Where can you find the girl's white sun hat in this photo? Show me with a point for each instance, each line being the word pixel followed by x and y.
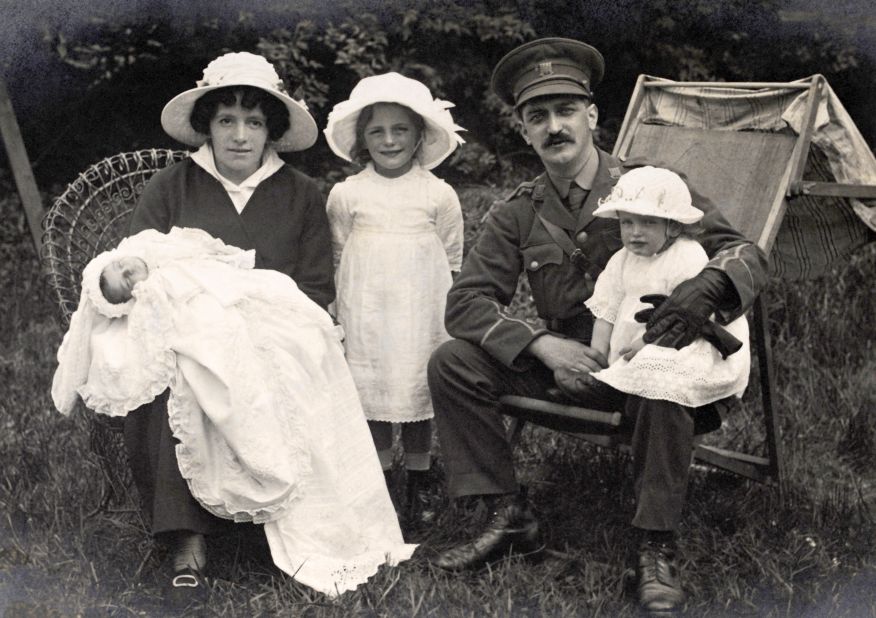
pixel 653 192
pixel 441 136
pixel 240 69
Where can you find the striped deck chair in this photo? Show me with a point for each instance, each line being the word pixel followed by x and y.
pixel 788 168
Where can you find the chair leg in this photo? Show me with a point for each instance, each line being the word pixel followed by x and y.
pixel 515 430
pixel 767 387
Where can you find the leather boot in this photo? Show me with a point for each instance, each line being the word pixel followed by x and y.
pixel 510 529
pixel 659 584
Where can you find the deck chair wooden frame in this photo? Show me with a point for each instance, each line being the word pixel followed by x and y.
pixel 91 216
pixel 771 181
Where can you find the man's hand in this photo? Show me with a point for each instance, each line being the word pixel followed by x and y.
pixel 572 382
pixel 556 352
pixel 679 320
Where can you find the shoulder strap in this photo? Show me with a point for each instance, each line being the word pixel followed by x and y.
pixel 560 236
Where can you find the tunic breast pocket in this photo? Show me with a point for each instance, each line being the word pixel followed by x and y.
pixel 543 265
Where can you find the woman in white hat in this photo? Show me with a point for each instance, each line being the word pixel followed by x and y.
pixel 397 235
pixel 657 227
pixel 236 188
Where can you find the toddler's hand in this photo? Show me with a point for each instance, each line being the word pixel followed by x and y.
pixel 629 352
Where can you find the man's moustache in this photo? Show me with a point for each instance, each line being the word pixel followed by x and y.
pixel 557 139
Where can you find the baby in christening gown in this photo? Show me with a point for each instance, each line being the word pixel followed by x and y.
pixel 269 423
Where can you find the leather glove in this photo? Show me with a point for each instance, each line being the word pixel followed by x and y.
pixel 715 334
pixel 679 319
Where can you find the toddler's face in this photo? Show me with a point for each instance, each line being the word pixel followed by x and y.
pixel 392 139
pixel 643 235
pixel 119 277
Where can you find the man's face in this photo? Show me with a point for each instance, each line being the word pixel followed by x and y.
pixel 560 128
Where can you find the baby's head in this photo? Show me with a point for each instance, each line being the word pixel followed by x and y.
pixel 654 208
pixel 117 279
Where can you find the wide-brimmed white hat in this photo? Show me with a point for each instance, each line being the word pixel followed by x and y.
pixel 440 139
pixel 650 191
pixel 240 69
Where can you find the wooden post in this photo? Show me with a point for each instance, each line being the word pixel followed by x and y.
pixel 20 164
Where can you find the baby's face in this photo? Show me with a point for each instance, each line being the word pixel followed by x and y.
pixel 119 277
pixel 641 234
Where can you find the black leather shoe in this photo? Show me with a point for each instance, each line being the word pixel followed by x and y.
pixel 659 584
pixel 511 529
pixel 186 587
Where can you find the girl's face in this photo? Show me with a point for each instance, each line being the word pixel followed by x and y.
pixel 391 139
pixel 644 235
pixel 238 136
pixel 120 276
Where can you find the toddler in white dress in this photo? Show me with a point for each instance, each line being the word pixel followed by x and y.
pixel 269 424
pixel 397 235
pixel 656 218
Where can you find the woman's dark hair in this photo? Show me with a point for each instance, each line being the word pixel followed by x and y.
pixel 276 114
pixel 359 152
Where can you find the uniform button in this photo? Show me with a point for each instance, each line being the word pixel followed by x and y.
pixel 533 264
pixel 580 238
pixel 587 277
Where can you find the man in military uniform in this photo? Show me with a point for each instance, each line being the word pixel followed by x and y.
pixel 549 82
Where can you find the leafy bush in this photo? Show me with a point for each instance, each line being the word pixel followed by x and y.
pixel 119 71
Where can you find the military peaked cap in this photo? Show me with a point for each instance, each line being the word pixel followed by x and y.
pixel 547 66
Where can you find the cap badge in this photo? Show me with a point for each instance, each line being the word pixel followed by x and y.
pixel 544 68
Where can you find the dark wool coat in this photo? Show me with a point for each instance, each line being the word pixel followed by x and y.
pixel 286 223
pixel 284 220
pixel 515 241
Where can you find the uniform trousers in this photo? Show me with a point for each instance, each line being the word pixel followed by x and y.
pixel 466 383
pixel 164 495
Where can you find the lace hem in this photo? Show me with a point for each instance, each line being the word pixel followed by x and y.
pixel 602 312
pixel 392 419
pixel 183 412
pixel 162 376
pixel 688 377
pixel 346 575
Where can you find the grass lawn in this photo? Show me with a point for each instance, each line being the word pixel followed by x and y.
pixel 804 548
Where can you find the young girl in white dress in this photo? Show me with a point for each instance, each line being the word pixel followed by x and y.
pixel 656 215
pixel 269 424
pixel 397 236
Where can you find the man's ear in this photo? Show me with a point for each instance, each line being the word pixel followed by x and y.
pixel 592 116
pixel 521 128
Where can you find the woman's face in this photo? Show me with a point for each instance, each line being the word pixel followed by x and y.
pixel 391 139
pixel 238 136
pixel 120 276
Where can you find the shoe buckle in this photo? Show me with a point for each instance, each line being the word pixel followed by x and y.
pixel 185 580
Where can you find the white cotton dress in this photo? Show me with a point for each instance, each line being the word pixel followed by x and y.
pixel 693 376
pixel 395 242
pixel 269 424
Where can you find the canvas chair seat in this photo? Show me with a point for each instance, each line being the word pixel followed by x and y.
pixel 764 153
pixel 91 216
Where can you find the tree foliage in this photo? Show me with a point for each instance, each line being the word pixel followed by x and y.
pixel 128 69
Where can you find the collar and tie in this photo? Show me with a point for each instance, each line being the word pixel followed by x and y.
pixel 575 198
